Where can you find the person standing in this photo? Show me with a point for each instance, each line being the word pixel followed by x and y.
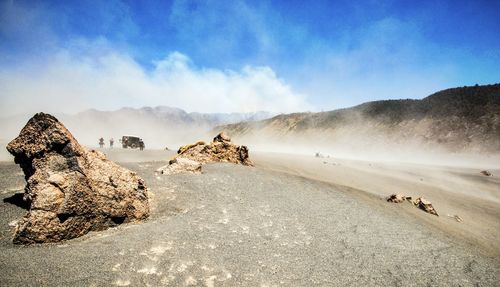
pixel 111 142
pixel 101 142
pixel 141 144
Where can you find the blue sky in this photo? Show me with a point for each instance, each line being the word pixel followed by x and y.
pixel 221 56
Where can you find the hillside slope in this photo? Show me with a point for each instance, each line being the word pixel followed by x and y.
pixel 459 119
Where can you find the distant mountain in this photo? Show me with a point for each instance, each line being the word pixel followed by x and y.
pixel 459 119
pixel 456 120
pixel 159 126
pixel 171 116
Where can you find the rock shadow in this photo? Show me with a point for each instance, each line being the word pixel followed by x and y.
pixel 17 199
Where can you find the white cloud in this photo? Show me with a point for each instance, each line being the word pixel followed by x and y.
pixel 70 81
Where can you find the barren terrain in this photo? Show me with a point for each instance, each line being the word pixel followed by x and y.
pixel 289 221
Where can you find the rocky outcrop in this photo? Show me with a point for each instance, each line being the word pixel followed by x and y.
pixel 184 148
pixel 219 150
pixel 420 202
pixel 398 198
pixel 71 190
pixel 425 205
pixel 190 157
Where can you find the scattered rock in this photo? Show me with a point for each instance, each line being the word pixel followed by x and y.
pixel 71 190
pixel 179 165
pixel 320 155
pixel 425 205
pixel 397 198
pixel 420 202
pixel 456 217
pixel 486 173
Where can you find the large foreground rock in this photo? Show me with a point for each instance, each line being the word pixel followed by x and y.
pixel 71 190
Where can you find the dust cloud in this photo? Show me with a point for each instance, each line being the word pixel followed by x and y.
pixel 365 140
pixel 354 137
pixel 87 130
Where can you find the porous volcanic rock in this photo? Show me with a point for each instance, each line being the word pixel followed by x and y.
pixel 222 137
pixel 398 198
pixel 219 150
pixel 190 157
pixel 71 190
pixel 425 205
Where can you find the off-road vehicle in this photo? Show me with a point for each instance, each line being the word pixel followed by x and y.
pixel 132 142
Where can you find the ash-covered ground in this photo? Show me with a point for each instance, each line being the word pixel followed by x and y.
pixel 248 226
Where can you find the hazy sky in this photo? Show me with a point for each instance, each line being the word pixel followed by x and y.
pixel 222 56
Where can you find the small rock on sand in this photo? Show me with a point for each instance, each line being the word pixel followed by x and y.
pixel 180 164
pixel 420 202
pixel 486 173
pixel 397 198
pixel 456 217
pixel 425 205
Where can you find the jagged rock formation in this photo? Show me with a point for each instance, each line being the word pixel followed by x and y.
pixel 190 157
pixel 425 205
pixel 420 202
pixel 222 137
pixel 219 150
pixel 184 148
pixel 398 198
pixel 71 190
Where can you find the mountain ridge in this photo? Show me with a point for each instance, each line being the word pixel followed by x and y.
pixel 464 118
pixel 177 114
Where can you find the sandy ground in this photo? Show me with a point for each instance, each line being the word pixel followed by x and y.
pixel 290 221
pixel 452 190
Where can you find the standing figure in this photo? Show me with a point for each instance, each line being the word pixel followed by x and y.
pixel 101 142
pixel 141 145
pixel 111 142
